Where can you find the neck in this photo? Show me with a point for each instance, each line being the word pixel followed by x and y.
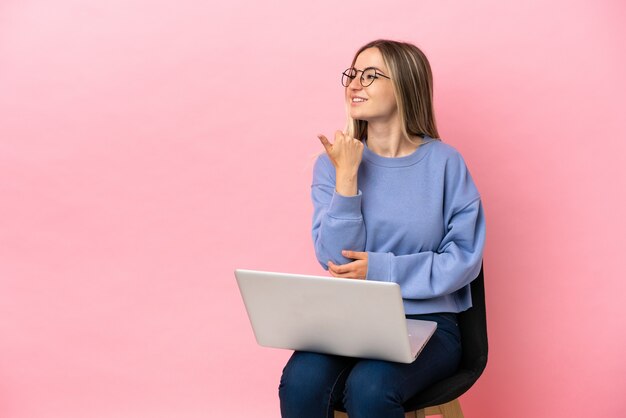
pixel 387 140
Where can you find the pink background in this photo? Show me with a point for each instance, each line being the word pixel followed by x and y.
pixel 148 148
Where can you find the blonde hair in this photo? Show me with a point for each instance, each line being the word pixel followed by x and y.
pixel 412 82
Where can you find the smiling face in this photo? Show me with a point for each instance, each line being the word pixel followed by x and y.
pixel 376 102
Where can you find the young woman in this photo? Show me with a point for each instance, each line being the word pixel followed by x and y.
pixel 391 203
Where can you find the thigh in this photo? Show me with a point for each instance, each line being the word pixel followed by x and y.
pixel 311 383
pixel 316 367
pixel 439 359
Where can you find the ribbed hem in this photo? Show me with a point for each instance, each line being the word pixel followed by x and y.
pixel 379 266
pixel 405 161
pixel 345 207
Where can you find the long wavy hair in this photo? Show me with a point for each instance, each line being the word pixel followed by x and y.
pixel 412 82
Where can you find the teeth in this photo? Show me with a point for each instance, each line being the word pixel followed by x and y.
pixel 358 99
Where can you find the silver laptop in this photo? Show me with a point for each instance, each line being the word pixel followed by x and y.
pixel 354 318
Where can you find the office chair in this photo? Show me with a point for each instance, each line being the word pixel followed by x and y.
pixel 442 397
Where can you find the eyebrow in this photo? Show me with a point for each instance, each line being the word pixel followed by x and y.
pixel 375 68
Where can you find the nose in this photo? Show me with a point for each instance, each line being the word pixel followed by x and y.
pixel 355 83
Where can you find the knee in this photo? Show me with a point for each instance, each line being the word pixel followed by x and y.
pixel 303 382
pixel 370 395
pixel 294 383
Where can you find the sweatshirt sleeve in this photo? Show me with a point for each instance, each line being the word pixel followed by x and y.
pixel 456 261
pixel 337 219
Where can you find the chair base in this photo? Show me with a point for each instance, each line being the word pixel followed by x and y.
pixel 451 409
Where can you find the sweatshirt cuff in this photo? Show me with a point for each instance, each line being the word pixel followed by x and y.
pixel 345 207
pixel 379 266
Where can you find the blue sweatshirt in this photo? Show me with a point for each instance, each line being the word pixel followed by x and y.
pixel 419 217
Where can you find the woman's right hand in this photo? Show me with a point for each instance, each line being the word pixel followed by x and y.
pixel 345 154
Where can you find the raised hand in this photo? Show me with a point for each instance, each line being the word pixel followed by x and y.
pixel 345 154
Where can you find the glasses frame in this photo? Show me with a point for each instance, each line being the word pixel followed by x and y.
pixel 361 79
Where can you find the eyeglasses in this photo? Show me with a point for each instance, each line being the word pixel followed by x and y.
pixel 368 76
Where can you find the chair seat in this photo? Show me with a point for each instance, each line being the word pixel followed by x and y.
pixel 443 391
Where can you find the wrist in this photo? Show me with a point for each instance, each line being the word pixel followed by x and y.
pixel 346 175
pixel 347 190
pixel 347 186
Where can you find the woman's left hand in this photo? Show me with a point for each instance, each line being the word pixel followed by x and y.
pixel 356 269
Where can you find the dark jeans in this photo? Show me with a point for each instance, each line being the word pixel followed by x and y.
pixel 313 383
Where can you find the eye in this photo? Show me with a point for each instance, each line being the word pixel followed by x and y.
pixel 370 74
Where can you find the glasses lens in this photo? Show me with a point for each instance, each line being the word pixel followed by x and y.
pixel 368 77
pixel 348 76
